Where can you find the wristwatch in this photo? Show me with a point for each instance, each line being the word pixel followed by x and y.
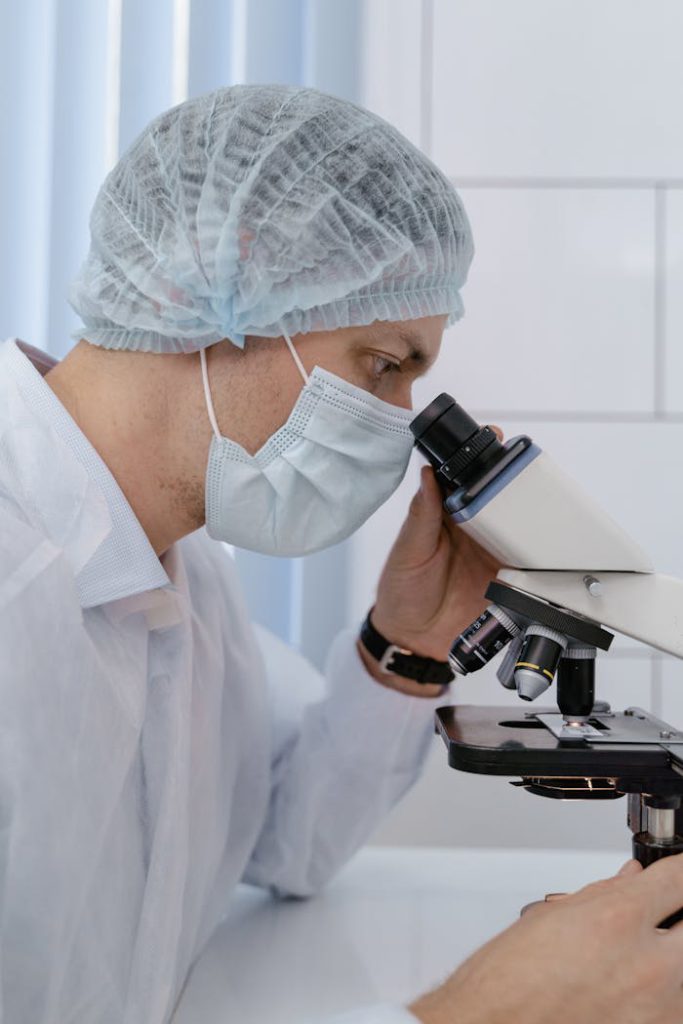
pixel 396 660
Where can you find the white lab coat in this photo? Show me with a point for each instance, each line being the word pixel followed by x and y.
pixel 148 762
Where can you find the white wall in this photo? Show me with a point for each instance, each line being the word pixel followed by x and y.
pixel 560 124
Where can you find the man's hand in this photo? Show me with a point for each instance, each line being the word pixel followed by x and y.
pixel 595 956
pixel 432 585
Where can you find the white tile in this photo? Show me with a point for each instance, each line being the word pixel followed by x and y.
pixel 673 367
pixel 573 87
pixel 559 304
pixel 391 69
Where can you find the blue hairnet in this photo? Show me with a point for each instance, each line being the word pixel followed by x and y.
pixel 258 209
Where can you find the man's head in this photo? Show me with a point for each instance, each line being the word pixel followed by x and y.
pixel 236 219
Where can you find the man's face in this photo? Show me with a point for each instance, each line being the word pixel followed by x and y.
pixel 384 358
pixel 255 390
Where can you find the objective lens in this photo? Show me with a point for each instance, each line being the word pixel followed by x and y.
pixel 576 684
pixel 482 640
pixel 538 660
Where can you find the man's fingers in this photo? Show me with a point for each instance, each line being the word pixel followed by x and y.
pixel 419 536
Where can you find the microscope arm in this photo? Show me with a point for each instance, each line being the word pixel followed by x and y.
pixel 645 606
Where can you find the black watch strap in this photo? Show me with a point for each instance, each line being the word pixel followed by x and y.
pixel 398 661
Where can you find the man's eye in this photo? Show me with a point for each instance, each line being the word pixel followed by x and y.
pixel 382 366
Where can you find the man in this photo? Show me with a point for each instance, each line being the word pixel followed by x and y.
pixel 270 269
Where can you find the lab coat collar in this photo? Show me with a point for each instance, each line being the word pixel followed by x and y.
pixel 109 551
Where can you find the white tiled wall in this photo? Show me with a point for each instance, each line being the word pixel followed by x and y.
pixel 571 270
pixel 571 88
pixel 560 125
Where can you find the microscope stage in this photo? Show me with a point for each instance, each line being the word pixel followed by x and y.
pixel 633 745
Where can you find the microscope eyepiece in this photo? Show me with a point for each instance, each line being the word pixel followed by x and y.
pixel 457 447
pixel 442 424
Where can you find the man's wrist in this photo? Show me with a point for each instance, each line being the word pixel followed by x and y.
pixel 393 681
pixel 419 642
pixel 408 668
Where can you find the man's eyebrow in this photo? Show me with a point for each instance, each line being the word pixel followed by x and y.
pixel 414 342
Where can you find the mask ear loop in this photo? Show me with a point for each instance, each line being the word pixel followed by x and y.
pixel 207 394
pixel 207 390
pixel 295 357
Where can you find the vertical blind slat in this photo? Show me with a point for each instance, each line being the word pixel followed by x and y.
pixel 26 74
pixel 333 46
pixel 274 41
pixel 78 152
pixel 211 45
pixel 146 65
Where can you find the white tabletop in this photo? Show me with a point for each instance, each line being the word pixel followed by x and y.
pixel 393 924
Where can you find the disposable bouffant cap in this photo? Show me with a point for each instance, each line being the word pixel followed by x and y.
pixel 261 208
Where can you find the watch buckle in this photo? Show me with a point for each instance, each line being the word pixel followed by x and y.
pixel 386 661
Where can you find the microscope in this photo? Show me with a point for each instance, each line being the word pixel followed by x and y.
pixel 571 576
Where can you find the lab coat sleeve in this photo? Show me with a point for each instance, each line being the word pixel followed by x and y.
pixel 344 750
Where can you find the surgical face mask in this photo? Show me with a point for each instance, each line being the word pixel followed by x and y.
pixel 339 456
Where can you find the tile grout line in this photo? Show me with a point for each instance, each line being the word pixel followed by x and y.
pixel 426 75
pixel 659 387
